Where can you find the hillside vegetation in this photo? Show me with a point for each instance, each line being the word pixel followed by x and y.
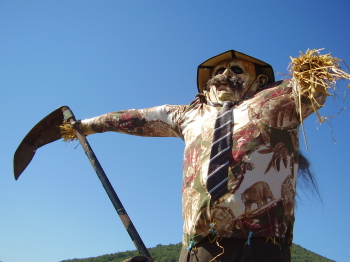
pixel 170 253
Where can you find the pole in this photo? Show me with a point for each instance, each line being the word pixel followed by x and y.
pixel 129 226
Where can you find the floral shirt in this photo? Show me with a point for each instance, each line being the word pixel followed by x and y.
pixel 262 174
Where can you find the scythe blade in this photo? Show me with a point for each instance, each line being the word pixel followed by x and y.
pixel 44 132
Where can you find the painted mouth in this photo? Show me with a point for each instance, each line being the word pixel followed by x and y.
pixel 223 83
pixel 223 87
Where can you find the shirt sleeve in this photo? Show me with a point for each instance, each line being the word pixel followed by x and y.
pixel 160 121
pixel 279 107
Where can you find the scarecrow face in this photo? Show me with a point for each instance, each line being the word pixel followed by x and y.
pixel 231 80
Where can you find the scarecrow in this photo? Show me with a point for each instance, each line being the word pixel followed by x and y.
pixel 241 152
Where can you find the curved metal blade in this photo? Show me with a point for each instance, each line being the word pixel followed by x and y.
pixel 44 132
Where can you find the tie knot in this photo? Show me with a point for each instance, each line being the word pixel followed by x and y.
pixel 229 104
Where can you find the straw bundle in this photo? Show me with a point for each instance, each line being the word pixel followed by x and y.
pixel 68 133
pixel 313 74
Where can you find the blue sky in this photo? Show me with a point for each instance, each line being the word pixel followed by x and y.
pixel 103 56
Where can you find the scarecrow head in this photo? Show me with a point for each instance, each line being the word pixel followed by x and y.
pixel 232 76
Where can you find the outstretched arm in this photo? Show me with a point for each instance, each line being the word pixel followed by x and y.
pixel 158 121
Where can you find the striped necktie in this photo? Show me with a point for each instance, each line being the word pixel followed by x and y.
pixel 220 152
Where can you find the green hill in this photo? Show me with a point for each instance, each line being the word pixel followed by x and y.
pixel 170 253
